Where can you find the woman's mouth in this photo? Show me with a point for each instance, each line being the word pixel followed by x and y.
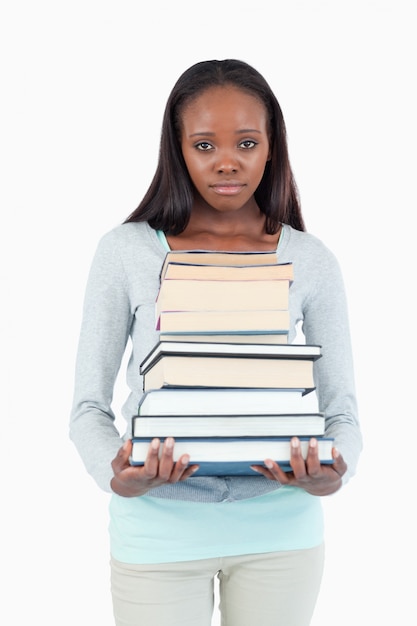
pixel 227 189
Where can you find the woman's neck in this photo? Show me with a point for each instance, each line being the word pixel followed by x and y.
pixel 225 232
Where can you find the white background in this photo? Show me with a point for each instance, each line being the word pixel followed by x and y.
pixel 83 87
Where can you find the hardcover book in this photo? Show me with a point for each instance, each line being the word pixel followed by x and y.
pixel 228 295
pixel 256 425
pixel 226 258
pixel 229 456
pixel 186 271
pixel 219 321
pixel 225 401
pixel 278 337
pixel 193 349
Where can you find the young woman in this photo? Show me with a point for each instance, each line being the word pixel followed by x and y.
pixel 223 182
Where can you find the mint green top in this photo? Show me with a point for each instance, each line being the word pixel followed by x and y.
pixel 203 516
pixel 157 530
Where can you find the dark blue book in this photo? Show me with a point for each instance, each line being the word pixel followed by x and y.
pixel 229 456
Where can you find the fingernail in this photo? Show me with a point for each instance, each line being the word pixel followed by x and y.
pixel 269 464
pixel 169 442
pixel 313 443
pixel 155 444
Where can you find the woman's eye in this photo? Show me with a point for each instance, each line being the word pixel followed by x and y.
pixel 204 146
pixel 248 143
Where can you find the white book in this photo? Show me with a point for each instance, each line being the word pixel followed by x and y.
pixel 225 401
pixel 257 425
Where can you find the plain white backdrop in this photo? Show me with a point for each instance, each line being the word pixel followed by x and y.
pixel 83 88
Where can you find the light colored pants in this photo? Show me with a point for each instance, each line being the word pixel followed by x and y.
pixel 273 589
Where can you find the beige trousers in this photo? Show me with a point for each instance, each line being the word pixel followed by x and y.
pixel 273 589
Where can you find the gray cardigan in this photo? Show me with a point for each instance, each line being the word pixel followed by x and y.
pixel 120 303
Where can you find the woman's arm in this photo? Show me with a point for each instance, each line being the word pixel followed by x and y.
pixel 107 318
pixel 326 322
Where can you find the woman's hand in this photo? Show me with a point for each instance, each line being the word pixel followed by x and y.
pixel 309 474
pixel 131 481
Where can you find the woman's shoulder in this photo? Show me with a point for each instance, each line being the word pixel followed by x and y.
pixel 133 236
pixel 302 244
pixel 134 245
pixel 301 236
pixel 129 232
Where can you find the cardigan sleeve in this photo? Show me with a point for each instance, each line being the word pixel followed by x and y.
pixel 326 323
pixel 105 327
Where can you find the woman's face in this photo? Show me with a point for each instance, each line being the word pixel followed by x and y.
pixel 225 144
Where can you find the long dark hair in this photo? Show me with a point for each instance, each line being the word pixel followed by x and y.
pixel 167 203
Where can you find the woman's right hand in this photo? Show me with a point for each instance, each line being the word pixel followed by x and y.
pixel 131 481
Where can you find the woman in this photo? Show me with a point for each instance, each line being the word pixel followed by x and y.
pixel 223 182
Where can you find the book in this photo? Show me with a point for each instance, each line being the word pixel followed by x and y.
pixel 227 371
pixel 187 271
pixel 278 337
pixel 211 257
pixel 193 350
pixel 257 425
pixel 212 295
pixel 231 322
pixel 225 401
pixel 228 456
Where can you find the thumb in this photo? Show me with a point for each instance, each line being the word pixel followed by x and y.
pixel 122 456
pixel 126 448
pixel 339 464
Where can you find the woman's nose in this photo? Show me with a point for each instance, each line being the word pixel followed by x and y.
pixel 227 163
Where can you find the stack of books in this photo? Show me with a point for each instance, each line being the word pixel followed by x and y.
pixel 224 296
pixel 223 379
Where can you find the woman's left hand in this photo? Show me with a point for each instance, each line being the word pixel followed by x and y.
pixel 309 474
